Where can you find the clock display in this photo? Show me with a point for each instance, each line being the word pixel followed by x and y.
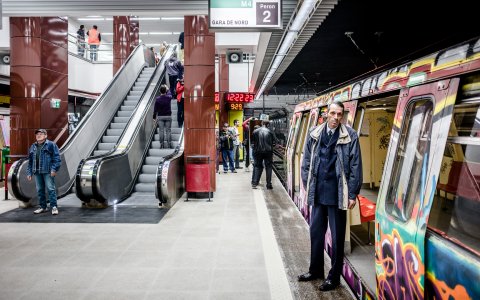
pixel 239 97
pixel 235 106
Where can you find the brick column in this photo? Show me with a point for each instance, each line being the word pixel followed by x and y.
pixel 38 74
pixel 121 41
pixel 199 125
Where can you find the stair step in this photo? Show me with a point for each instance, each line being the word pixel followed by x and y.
pixel 151 160
pixel 105 146
pixel 110 139
pixel 121 119
pixel 145 187
pixel 127 107
pixel 149 169
pixel 100 152
pixel 116 132
pixel 124 113
pixel 134 98
pixel 118 125
pixel 147 178
pixel 130 102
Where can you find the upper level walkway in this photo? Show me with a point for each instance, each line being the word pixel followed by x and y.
pixel 245 244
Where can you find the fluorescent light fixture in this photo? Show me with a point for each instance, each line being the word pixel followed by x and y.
pixel 94 16
pixel 303 15
pixel 91 19
pixel 106 33
pixel 171 18
pixel 175 32
pixel 145 19
pixel 160 33
pixel 108 19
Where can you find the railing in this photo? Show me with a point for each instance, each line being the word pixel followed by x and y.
pixel 82 49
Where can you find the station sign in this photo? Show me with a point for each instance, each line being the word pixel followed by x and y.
pixel 247 15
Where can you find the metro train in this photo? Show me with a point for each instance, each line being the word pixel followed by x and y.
pixel 419 131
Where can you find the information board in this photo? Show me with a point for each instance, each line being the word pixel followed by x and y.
pixel 245 14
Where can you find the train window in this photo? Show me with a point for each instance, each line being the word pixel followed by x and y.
pixel 456 208
pixel 414 143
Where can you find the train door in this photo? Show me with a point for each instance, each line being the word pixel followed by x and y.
pixel 299 145
pixel 412 168
pixel 292 137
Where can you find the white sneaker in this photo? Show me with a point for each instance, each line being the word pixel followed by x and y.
pixel 54 210
pixel 40 210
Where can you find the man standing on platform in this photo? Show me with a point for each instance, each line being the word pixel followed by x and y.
pixel 226 147
pixel 94 39
pixel 262 144
pixel 332 177
pixel 44 162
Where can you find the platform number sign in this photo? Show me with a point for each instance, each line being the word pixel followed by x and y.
pixel 267 13
pixel 250 15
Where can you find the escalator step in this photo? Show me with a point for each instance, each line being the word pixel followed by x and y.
pixel 105 146
pixel 110 139
pixel 147 178
pixel 127 108
pixel 145 187
pixel 116 132
pixel 124 113
pixel 99 152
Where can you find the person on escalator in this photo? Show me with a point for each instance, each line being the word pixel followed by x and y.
pixel 162 115
pixel 174 70
pixel 43 163
pixel 180 100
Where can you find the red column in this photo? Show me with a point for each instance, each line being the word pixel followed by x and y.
pixel 199 94
pixel 223 88
pixel 121 41
pixel 38 74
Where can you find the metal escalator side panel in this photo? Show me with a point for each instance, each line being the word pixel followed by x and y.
pixel 85 138
pixel 117 171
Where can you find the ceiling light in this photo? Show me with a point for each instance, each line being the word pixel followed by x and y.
pixel 171 18
pixel 94 16
pixel 108 19
pixel 107 33
pixel 145 19
pixel 91 19
pixel 160 33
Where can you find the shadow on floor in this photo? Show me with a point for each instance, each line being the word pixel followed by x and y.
pixel 131 215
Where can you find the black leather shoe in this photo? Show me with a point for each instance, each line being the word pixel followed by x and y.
pixel 308 277
pixel 329 285
pixel 269 187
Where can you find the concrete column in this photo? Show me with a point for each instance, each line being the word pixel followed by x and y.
pixel 38 74
pixel 199 94
pixel 121 41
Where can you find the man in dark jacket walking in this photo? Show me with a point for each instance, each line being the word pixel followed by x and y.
pixel 43 163
pixel 162 114
pixel 263 141
pixel 332 177
pixel 81 41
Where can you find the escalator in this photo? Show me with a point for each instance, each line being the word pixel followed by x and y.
pixel 98 130
pixel 132 166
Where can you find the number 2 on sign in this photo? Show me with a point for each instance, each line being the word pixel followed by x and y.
pixel 267 15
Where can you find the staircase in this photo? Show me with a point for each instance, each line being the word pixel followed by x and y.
pixel 111 136
pixel 146 182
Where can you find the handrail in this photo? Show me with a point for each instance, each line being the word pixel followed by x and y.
pixel 122 149
pixel 65 181
pixel 83 45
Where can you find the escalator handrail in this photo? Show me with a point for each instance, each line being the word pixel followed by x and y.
pixel 14 188
pixel 124 151
pixel 176 154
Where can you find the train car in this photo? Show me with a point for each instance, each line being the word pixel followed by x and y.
pixel 279 125
pixel 419 131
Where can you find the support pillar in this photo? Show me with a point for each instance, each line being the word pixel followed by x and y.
pixel 121 41
pixel 223 88
pixel 199 125
pixel 38 74
pixel 134 34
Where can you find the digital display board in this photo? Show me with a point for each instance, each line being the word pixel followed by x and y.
pixel 239 97
pixel 245 14
pixel 235 106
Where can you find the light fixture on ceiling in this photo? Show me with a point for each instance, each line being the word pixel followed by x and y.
pixel 91 19
pixel 144 19
pixel 171 18
pixel 294 28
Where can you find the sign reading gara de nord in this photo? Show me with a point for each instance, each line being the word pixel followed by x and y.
pixel 245 14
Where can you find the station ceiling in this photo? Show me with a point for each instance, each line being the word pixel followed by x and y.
pixel 380 33
pixel 386 33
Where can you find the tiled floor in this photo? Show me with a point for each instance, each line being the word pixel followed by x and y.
pixel 225 249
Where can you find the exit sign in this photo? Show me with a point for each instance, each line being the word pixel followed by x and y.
pixel 249 15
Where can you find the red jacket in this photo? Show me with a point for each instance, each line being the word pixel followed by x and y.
pixel 179 89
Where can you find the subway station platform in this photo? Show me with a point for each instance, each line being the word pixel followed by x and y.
pixel 245 244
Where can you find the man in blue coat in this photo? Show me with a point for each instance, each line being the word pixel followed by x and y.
pixel 44 162
pixel 332 177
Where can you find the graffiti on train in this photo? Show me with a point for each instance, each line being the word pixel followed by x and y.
pixel 434 66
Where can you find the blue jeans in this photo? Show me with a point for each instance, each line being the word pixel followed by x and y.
pixel 227 155
pixel 165 131
pixel 42 180
pixel 93 52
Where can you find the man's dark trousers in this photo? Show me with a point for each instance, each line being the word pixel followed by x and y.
pixel 260 159
pixel 318 227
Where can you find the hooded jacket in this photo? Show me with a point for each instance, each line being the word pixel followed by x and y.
pixel 348 166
